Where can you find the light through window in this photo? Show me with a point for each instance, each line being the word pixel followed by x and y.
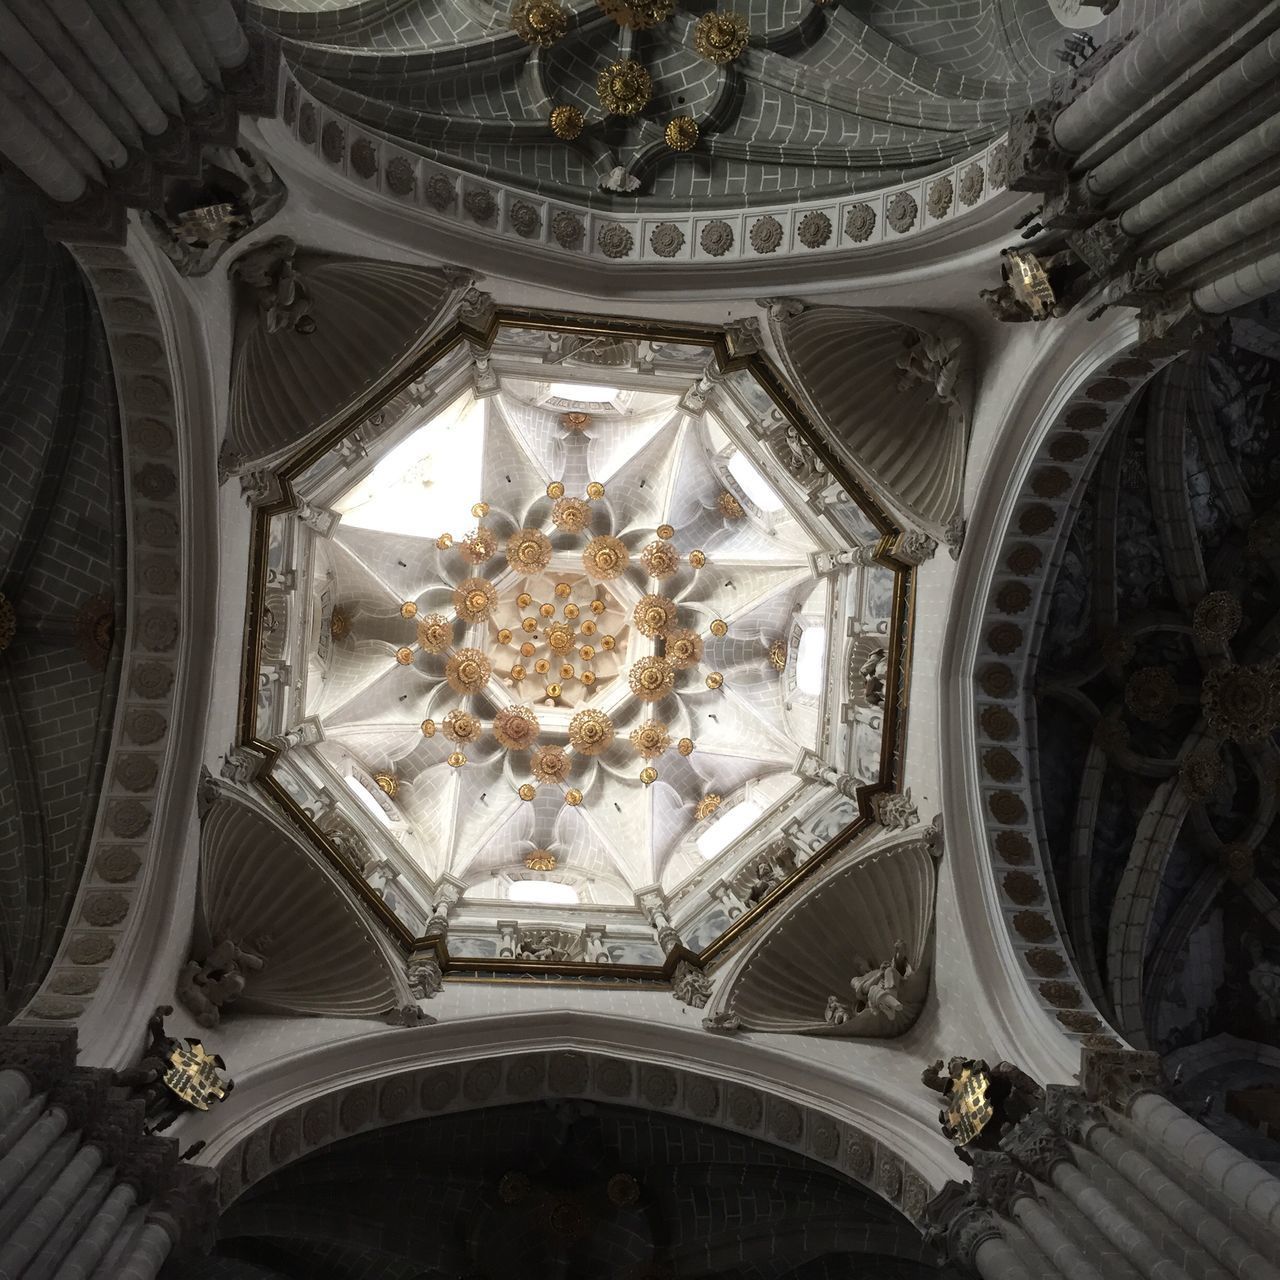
pixel 586 392
pixel 754 485
pixel 724 831
pixel 546 892
pixel 810 659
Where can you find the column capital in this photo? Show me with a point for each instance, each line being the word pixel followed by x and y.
pixel 958 1224
pixel 1035 1145
pixel 1069 1111
pixel 998 1182
pixel 45 1055
pixel 1115 1076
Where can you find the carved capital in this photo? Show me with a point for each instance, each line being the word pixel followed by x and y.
pixel 1069 1112
pixel 895 810
pixel 1171 324
pixel 477 313
pixel 258 488
pixel 913 547
pixel 691 985
pixel 1115 1076
pixel 781 309
pixel 1035 1145
pixel 958 1224
pixel 743 337
pixel 1036 162
pixel 998 1182
pixel 45 1055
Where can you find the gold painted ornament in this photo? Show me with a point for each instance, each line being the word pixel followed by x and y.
pixel 444 541
pixel 651 678
pixel 685 746
pixel 479 510
pixel 457 759
pixel 605 556
pixel 571 610
pixel 660 559
pixel 560 637
pixel 504 635
pixel 720 37
pixel 467 671
pixel 638 15
pixel 681 133
pixel 387 783
pixel 404 656
pixel 516 728
pixel 597 606
pixel 684 649
pixel 567 122
pixel 778 655
pixel 573 796
pixel 624 88
pixel 428 728
pixel 666 531
pixel 549 764
pixel 408 610
pixel 607 643
pixel 527 791
pixel 719 627
pixel 528 551
pixel 339 626
pixel 650 739
pixel 595 490
pixel 524 599
pixel 474 599
pixel 697 559
pixel 555 489
pixel 540 860
pixel 706 806
pixel 729 506
pixel 540 22
pixel 715 680
pixel 518 672
pixel 546 610
pixel 435 633
pixel 570 515
pixel 654 615
pixel 194 1075
pixel 648 775
pixel 575 420
pixel 588 677
pixel 461 727
pixel 553 691
pixel 478 547
pixel 590 732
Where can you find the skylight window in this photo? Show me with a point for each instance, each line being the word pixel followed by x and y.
pixel 427 483
pixel 724 831
pixel 367 799
pixel 811 659
pixel 551 893
pixel 586 392
pixel 754 485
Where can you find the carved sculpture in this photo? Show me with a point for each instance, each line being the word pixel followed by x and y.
pixel 281 295
pixel 174 1075
pixel 541 944
pixel 874 988
pixel 935 361
pixel 691 985
pixel 874 672
pixel 206 987
pixel 425 978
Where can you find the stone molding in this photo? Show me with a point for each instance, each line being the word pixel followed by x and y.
pixel 528 1076
pixel 565 229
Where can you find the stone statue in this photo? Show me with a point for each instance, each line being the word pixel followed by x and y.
pixel 795 454
pixel 619 180
pixel 282 297
pixel 205 987
pixel 541 945
pixel 766 877
pixel 934 361
pixel 873 988
pixel 426 981
pixel 873 673
pixel 1004 305
pixel 691 985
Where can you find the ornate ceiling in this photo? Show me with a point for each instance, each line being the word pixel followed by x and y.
pixel 684 105
pixel 540 642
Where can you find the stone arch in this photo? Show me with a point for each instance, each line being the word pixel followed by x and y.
pixel 892 1147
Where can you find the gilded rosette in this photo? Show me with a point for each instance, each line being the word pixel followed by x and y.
pixel 540 22
pixel 651 678
pixel 549 764
pixel 528 551
pixel 684 649
pixel 387 783
pixel 570 515
pixel 650 739
pixel 706 806
pixel 605 556
pixel 590 732
pixel 624 88
pixel 339 626
pixel 660 559
pixel 575 421
pixel 540 860
pixel 461 727
pixel 778 655
pixel 567 122
pixel 681 133
pixel 654 615
pixel 720 37
pixel 477 547
pixel 639 15
pixel 467 671
pixel 516 728
pixel 474 599
pixel 560 637
pixel 729 506
pixel 435 633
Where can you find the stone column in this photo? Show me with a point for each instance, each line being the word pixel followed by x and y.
pixel 1151 63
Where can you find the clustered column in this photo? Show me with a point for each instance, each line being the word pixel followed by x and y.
pixel 1111 1181
pixel 1164 169
pixel 85 1192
